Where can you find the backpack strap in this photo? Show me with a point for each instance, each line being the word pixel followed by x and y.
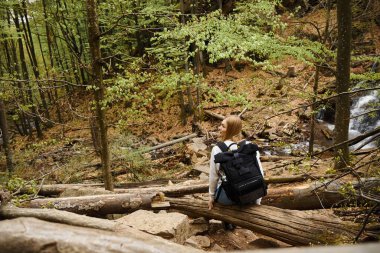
pixel 222 146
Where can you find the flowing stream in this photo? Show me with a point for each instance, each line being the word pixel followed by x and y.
pixel 366 122
pixel 361 121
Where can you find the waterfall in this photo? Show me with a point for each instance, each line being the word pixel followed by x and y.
pixel 361 121
pixel 366 122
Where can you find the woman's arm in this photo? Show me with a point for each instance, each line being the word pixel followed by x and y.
pixel 213 175
pixel 259 162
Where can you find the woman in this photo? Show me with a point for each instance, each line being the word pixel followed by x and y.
pixel 229 132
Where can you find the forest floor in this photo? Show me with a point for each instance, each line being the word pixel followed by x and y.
pixel 66 154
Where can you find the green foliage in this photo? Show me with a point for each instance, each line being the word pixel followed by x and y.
pixel 15 184
pixel 347 189
pixel 330 170
pixel 368 76
pixel 132 23
pixel 251 34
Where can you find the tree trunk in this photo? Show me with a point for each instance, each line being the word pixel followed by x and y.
pixel 182 106
pixel 342 112
pixel 31 235
pixel 5 136
pixel 97 82
pixel 313 111
pixel 293 227
pixel 24 70
pixel 33 59
pixel 24 121
pixel 190 102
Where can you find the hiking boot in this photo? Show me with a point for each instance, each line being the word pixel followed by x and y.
pixel 228 226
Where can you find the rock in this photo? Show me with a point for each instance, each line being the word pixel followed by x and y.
pixel 216 247
pixel 197 226
pixel 272 137
pixel 5 197
pixel 171 226
pixel 264 243
pixel 202 167
pixel 196 147
pixel 203 177
pixel 197 140
pixel 198 242
pixel 245 234
pixel 215 225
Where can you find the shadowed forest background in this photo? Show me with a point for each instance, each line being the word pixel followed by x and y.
pixel 118 98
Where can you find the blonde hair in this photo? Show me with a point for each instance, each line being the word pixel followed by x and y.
pixel 233 127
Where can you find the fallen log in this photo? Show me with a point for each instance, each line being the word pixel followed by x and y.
pixel 351 248
pixel 96 205
pixel 53 215
pixel 314 195
pixel 31 235
pixel 169 143
pixel 293 227
pixel 274 158
pixel 169 190
pixel 214 115
pixel 57 189
pixel 303 197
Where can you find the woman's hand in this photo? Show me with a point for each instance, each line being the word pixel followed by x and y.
pixel 210 204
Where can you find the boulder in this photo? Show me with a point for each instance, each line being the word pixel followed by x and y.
pixel 198 226
pixel 171 226
pixel 199 242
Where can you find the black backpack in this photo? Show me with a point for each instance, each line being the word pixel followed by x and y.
pixel 241 176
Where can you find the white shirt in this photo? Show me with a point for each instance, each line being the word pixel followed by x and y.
pixel 214 177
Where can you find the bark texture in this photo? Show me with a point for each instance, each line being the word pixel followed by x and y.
pixel 342 112
pixel 97 81
pixel 96 205
pixel 297 228
pixel 5 136
pixel 302 197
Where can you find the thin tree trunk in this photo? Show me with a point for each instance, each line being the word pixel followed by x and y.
pixel 25 125
pixel 97 81
pixel 220 4
pixel 313 111
pixel 342 112
pixel 5 137
pixel 25 74
pixel 140 47
pixel 33 59
pixel 316 80
pixel 190 107
pixel 182 106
